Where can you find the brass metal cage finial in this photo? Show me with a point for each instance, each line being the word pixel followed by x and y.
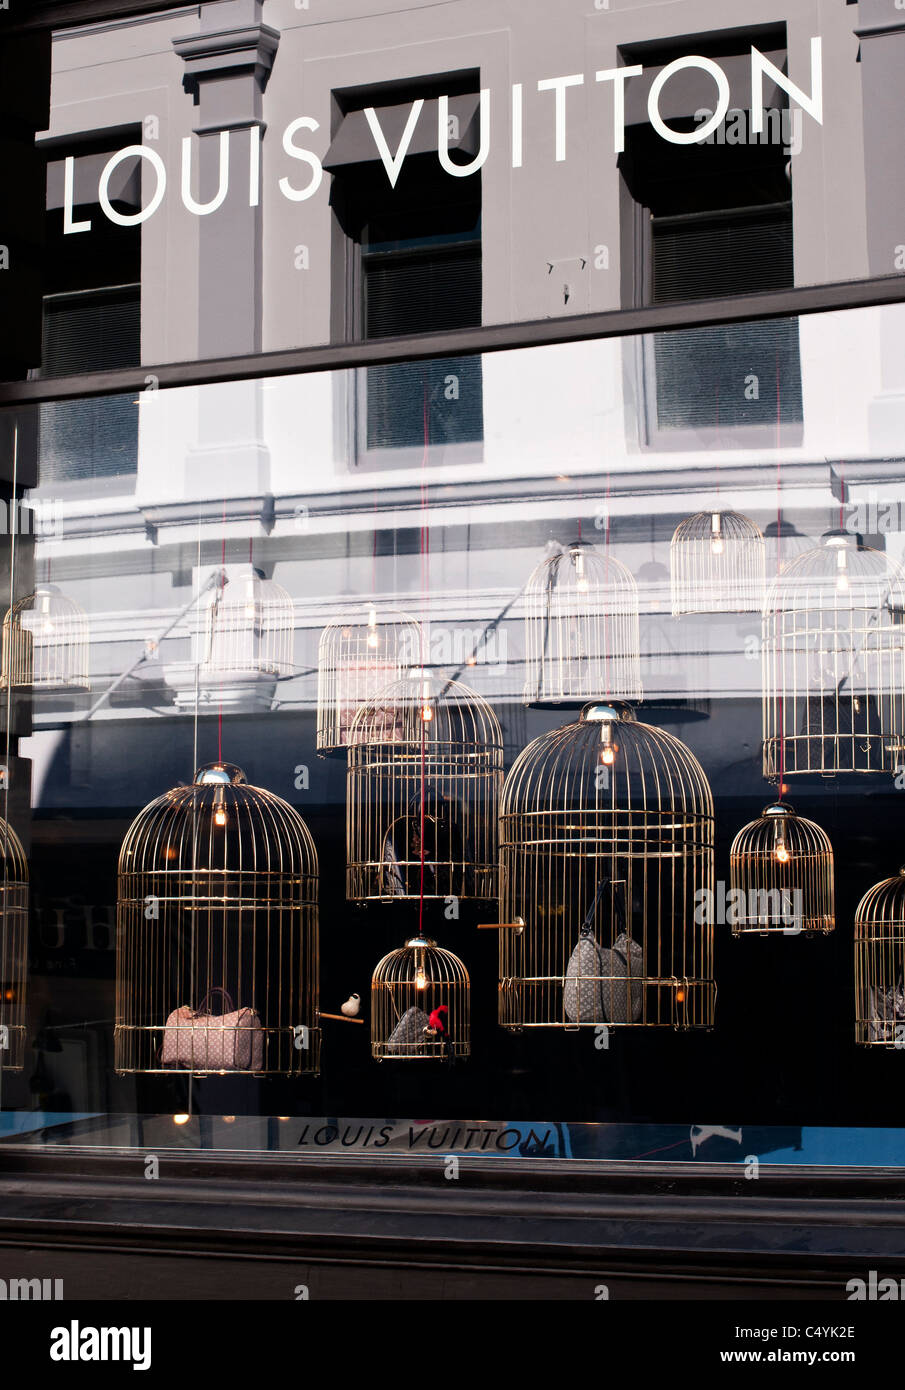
pixel 582 633
pixel 781 871
pixel 420 1004
pixel 834 662
pixel 13 949
pixel 358 657
pixel 606 847
pixel 423 781
pixel 717 564
pixel 217 907
pixel 45 642
pixel 247 628
pixel 880 965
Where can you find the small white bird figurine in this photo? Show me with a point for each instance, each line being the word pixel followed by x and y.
pixel 352 1005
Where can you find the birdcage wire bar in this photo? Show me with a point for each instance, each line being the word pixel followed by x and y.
pixel 880 965
pixel 247 629
pixel 582 629
pixel 781 871
pixel 218 912
pixel 606 851
pixel 717 564
pixel 45 642
pixel 358 657
pixel 13 949
pixel 425 768
pixel 407 986
pixel 834 663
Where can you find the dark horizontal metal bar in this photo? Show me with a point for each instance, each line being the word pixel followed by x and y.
pixel 28 15
pixel 614 323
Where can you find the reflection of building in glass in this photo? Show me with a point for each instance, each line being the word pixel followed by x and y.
pixel 13 949
pixel 357 657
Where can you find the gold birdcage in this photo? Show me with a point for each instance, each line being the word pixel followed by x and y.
pixel 217 933
pixel 247 629
pixel 582 633
pixel 420 1004
pixel 606 830
pixel 424 775
pixel 357 658
pixel 717 564
pixel 13 949
pixel 45 642
pixel 834 663
pixel 781 871
pixel 880 965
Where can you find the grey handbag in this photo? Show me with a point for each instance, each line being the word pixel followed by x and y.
pixel 409 1030
pixel 626 962
pixel 593 991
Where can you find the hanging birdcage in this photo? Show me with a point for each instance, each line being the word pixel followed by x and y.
pixel 424 775
pixel 582 633
pixel 606 857
pixel 781 872
pixel 717 564
pixel 247 629
pixel 834 663
pixel 880 965
pixel 13 949
pixel 357 658
pixel 45 642
pixel 217 933
pixel 420 1004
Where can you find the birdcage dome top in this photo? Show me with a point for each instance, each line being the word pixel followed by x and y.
pixel 579 565
pixel 431 708
pixel 223 774
pixel 797 833
pixel 219 823
pixel 732 526
pixel 885 901
pixel 48 598
pixel 837 566
pixel 607 758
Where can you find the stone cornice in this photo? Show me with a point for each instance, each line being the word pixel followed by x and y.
pixel 249 49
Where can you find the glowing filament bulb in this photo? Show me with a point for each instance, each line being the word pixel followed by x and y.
pixel 842 584
pixel 250 605
pixel 608 756
pixel 220 816
pixel 427 713
pixel 716 534
pixel 782 853
pixel 420 978
pixel 579 571
pixel 608 748
pixel 373 639
pixel 181 1119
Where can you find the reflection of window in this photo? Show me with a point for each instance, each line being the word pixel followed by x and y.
pixel 707 220
pixel 414 266
pixel 85 332
pixel 92 321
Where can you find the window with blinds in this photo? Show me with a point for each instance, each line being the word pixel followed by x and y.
pixel 739 375
pixel 429 289
pixel 413 266
pixel 86 331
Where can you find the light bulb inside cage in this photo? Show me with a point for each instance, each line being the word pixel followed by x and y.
pixel 224 974
pixel 717 563
pixel 781 876
pixel 598 924
pixel 420 1004
pixel 879 945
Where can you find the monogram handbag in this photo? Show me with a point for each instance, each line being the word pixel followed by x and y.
pixel 604 986
pixel 409 1030
pixel 204 1041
